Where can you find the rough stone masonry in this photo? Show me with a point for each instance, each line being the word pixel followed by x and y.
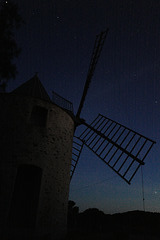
pixel 35 158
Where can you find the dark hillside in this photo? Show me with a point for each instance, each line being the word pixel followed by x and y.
pixel 128 225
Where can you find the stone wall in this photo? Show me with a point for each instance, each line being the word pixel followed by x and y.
pixel 38 133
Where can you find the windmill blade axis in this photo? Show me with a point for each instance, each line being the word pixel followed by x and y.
pixel 99 42
pixel 121 148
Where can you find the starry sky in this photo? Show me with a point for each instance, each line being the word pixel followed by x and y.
pixel 57 41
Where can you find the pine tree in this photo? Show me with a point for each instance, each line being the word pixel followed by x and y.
pixel 10 20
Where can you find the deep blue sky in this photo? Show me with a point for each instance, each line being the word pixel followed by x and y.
pixel 57 41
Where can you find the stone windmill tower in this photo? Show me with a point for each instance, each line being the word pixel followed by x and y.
pixel 35 153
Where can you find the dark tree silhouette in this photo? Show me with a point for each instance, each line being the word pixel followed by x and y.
pixel 10 20
pixel 73 211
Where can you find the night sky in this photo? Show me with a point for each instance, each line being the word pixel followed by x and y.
pixel 57 41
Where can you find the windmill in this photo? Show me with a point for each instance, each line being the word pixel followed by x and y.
pixel 35 173
pixel 118 146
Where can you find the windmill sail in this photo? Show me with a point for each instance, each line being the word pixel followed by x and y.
pixel 99 42
pixel 121 148
pixel 76 151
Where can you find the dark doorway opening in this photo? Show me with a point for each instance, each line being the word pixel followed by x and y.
pixel 25 197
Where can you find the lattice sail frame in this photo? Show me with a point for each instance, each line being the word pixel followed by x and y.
pixel 76 152
pixel 121 148
pixel 98 45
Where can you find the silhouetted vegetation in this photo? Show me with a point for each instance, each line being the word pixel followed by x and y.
pixel 94 224
pixel 10 20
pixel 73 212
